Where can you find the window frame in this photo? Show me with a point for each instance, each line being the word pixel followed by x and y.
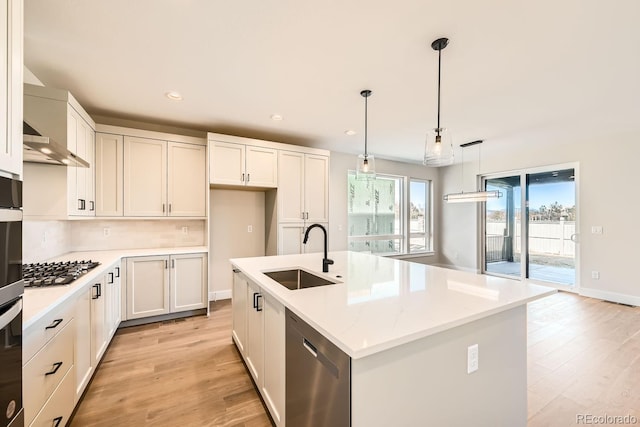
pixel 405 217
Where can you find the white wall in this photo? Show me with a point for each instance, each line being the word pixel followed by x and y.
pixel 606 195
pixel 341 163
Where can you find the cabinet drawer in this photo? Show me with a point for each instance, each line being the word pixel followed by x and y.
pixel 46 328
pixel 44 372
pixel 57 410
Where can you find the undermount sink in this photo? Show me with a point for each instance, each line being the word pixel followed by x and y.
pixel 298 279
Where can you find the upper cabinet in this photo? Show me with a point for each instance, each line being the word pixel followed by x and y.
pixel 52 191
pixel 303 187
pixel 242 165
pixel 11 88
pixel 150 174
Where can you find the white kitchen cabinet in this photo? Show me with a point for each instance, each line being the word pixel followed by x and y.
pixel 164 178
pixel 57 192
pixel 109 174
pixel 99 327
pixel 44 372
pixel 84 361
pixel 239 311
pixel 189 287
pixel 11 54
pixel 242 165
pixel 291 236
pixel 259 334
pixel 187 180
pixel 255 333
pixel 147 286
pixel 303 187
pixel 165 284
pixel 273 385
pixel 145 177
pixel 113 289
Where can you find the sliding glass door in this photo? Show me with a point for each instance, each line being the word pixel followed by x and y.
pixel 530 232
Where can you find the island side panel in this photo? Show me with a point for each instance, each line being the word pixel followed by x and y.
pixel 425 382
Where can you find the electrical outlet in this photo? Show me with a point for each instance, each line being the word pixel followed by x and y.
pixel 185 230
pixel 595 275
pixel 250 229
pixel 106 232
pixel 596 229
pixel 472 358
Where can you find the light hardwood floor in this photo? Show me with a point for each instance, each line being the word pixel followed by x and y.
pixel 584 358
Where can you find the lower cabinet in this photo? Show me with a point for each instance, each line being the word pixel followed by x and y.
pixel 165 284
pixel 259 333
pixel 291 235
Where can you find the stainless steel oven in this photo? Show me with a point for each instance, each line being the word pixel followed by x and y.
pixel 11 290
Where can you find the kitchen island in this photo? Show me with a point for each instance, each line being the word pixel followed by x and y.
pixel 409 329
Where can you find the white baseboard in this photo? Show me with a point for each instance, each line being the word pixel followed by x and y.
pixel 218 295
pixel 610 296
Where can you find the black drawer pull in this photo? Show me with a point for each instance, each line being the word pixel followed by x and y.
pixel 55 369
pixel 54 324
pixel 110 278
pixel 258 307
pixel 255 299
pixel 118 272
pixel 57 421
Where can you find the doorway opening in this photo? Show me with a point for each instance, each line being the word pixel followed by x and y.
pixel 530 232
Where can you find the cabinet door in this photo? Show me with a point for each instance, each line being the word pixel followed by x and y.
pixel 11 88
pixel 90 140
pixel 227 163
pixel 109 174
pixel 188 282
pixel 113 301
pixel 83 356
pixel 261 167
pixel 239 311
pixel 187 185
pixel 147 286
pixel 255 333
pixel 99 327
pixel 74 202
pixel 290 187
pixel 273 389
pixel 81 150
pixel 290 238
pixel 316 188
pixel 145 177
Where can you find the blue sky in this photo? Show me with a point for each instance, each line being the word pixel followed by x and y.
pixel 545 194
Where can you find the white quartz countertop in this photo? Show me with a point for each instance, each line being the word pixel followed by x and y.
pixel 38 301
pixel 383 302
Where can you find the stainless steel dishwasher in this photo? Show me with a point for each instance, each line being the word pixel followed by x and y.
pixel 318 378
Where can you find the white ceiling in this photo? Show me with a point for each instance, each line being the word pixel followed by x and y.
pixel 513 68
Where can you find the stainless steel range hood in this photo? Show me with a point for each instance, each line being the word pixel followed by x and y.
pixel 42 149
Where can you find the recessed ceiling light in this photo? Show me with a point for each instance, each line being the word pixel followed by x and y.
pixel 276 117
pixel 174 96
pixel 350 132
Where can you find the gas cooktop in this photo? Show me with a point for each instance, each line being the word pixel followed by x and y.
pixel 55 273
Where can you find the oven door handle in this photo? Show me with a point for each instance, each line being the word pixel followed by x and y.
pixel 11 314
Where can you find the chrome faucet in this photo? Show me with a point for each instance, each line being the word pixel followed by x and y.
pixel 325 261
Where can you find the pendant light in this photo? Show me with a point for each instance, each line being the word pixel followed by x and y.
pixel 366 169
pixel 438 150
pixel 474 196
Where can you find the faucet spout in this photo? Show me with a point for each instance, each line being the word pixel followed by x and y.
pixel 326 262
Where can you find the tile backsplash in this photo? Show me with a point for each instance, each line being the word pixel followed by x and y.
pixel 46 239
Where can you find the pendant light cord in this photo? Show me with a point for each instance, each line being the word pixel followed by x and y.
pixel 439 68
pixel 462 166
pixel 365 125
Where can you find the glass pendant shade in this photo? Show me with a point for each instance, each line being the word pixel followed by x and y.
pixel 438 149
pixel 366 169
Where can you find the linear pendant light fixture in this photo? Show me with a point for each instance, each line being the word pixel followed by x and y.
pixel 366 169
pixel 438 150
pixel 474 196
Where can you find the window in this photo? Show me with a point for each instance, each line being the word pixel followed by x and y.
pixel 386 219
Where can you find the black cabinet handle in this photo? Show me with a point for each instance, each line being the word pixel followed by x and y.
pixel 169 207
pixel 99 290
pixel 117 272
pixel 93 205
pixel 255 300
pixel 98 293
pixel 56 366
pixel 110 278
pixel 258 307
pixel 54 324
pixel 79 204
pixel 57 421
